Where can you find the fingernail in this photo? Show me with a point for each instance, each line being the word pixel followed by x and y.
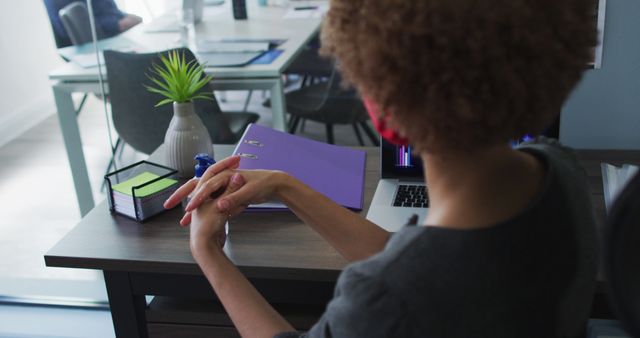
pixel 223 205
pixel 236 179
pixel 195 201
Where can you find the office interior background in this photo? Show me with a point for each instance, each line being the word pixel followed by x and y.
pixel 36 189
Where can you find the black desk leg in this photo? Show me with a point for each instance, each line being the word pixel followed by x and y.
pixel 127 309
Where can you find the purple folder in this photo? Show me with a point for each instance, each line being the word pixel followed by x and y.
pixel 336 172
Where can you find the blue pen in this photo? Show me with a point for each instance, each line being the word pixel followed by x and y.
pixel 204 162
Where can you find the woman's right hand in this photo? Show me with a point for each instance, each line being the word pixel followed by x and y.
pixel 251 187
pixel 187 189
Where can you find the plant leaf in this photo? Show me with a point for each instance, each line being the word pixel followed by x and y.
pixel 203 96
pixel 178 80
pixel 159 83
pixel 163 102
pixel 164 93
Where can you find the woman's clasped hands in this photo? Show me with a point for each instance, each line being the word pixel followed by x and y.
pixel 222 192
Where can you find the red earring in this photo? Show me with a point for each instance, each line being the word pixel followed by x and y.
pixel 380 123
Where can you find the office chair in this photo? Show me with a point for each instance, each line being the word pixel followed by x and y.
pixel 310 65
pixel 621 244
pixel 327 102
pixel 60 41
pixel 142 125
pixel 75 19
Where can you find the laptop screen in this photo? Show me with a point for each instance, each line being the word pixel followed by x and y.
pixel 400 161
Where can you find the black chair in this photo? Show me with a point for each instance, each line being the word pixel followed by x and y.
pixel 621 243
pixel 143 126
pixel 329 103
pixel 60 41
pixel 310 65
pixel 75 19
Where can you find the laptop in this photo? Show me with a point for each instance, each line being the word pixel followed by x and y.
pixel 168 23
pixel 401 191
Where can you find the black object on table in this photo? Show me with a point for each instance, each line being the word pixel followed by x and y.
pixel 239 9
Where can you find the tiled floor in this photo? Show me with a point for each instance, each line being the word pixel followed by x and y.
pixel 44 322
pixel 39 202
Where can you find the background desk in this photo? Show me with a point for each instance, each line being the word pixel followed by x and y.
pixel 285 259
pixel 217 22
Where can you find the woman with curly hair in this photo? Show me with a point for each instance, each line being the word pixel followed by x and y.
pixel 508 245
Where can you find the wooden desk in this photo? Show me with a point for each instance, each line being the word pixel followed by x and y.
pixel 217 23
pixel 284 258
pixel 287 261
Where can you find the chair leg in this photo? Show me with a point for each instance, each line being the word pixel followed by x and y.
pixel 330 133
pixel 246 102
pixel 82 101
pixel 121 150
pixel 358 135
pixel 302 125
pixel 294 124
pixel 372 136
pixel 290 122
pixel 112 162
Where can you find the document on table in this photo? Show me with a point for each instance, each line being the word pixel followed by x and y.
pixel 162 24
pixel 90 60
pixel 87 60
pixel 229 52
pixel 227 59
pixel 84 55
pixel 306 12
pixel 220 46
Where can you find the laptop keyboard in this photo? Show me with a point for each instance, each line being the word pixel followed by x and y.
pixel 414 196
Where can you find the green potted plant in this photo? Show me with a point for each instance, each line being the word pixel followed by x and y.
pixel 180 82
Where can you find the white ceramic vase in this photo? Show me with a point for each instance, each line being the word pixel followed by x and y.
pixel 185 138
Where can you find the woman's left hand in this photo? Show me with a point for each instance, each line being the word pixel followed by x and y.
pixel 207 235
pixel 207 230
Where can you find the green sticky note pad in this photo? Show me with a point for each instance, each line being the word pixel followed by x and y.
pixel 125 187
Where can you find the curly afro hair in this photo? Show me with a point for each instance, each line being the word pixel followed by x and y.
pixel 461 74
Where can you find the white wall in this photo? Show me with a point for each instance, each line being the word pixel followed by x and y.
pixel 27 54
pixel 148 9
pixel 604 110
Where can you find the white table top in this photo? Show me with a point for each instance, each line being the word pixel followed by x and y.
pixel 218 23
